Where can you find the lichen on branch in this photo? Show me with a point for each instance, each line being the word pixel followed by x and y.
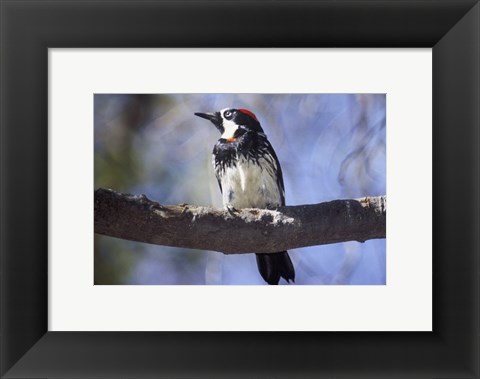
pixel 136 218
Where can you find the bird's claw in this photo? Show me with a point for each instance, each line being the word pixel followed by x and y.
pixel 271 207
pixel 231 209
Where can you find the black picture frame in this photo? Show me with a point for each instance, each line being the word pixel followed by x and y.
pixel 28 28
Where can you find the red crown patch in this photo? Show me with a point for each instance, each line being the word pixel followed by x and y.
pixel 246 111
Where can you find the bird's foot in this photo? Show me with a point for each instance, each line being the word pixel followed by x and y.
pixel 231 209
pixel 271 207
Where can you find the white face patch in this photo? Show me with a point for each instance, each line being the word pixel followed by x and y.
pixel 229 126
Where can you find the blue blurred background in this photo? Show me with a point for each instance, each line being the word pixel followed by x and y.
pixel 330 146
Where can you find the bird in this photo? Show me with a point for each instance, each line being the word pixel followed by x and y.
pixel 249 175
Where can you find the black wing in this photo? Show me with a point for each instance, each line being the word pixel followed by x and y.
pixel 279 173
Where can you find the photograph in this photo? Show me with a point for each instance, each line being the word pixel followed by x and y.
pixel 231 156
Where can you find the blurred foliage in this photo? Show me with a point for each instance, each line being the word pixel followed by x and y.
pixel 330 146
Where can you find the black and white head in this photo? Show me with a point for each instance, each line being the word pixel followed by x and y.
pixel 233 123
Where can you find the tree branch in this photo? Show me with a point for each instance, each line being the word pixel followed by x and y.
pixel 137 218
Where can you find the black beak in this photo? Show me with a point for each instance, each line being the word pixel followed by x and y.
pixel 208 116
pixel 214 118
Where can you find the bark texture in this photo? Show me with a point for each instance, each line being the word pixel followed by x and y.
pixel 136 218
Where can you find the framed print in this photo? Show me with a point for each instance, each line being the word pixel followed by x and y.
pixel 361 274
pixel 32 32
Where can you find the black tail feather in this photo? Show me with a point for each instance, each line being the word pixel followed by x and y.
pixel 274 266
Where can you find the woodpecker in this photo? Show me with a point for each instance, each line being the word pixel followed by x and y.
pixel 249 175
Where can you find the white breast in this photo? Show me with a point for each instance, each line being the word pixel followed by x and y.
pixel 248 185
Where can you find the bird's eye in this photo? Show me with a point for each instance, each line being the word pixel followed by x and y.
pixel 228 115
